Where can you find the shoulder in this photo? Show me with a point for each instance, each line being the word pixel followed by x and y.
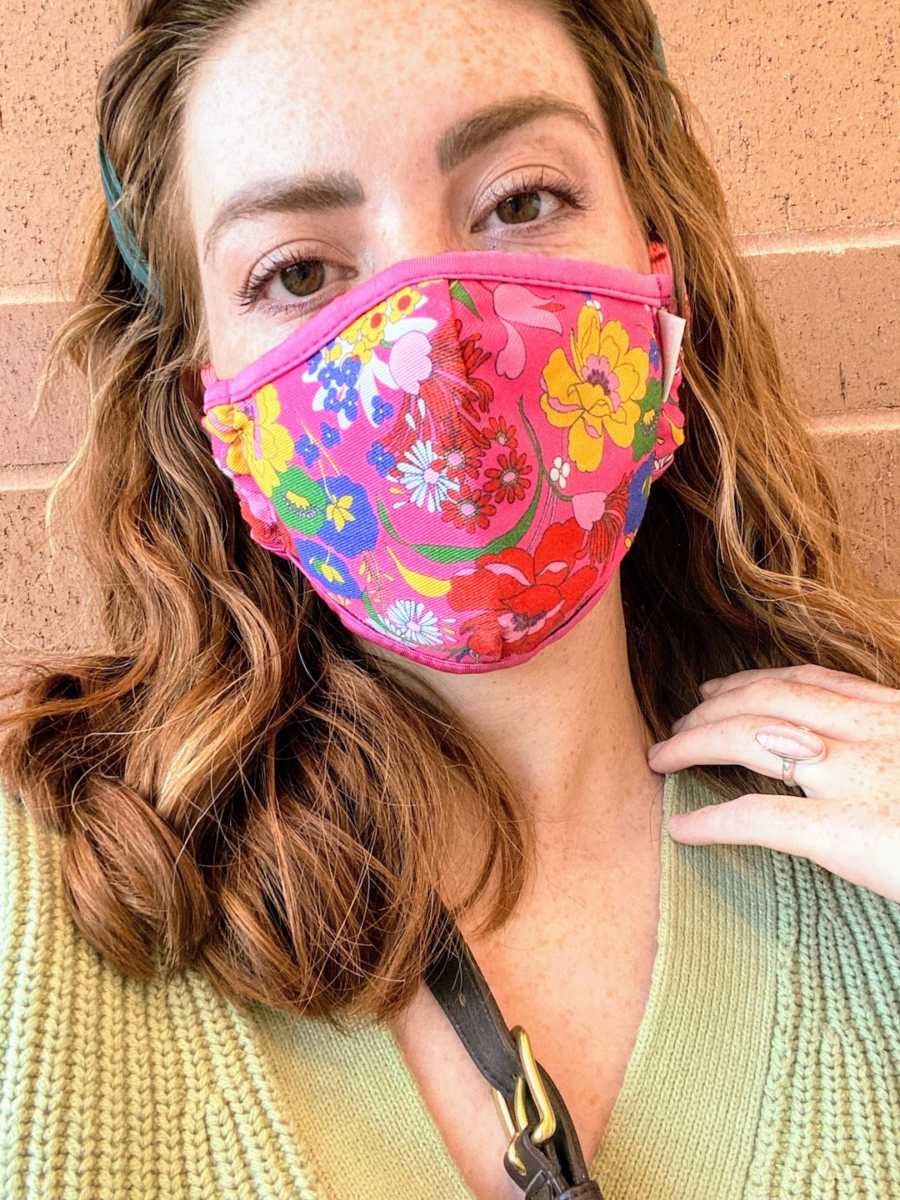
pixel 37 935
pixel 119 1086
pixel 844 935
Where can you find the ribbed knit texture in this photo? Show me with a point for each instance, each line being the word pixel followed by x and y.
pixel 766 1066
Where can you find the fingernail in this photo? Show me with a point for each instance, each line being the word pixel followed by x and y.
pixel 794 743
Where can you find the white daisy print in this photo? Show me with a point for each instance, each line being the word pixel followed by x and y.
pixel 426 485
pixel 413 622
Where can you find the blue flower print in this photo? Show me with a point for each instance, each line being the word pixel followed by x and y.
pixel 330 435
pixel 307 449
pixel 338 386
pixel 638 494
pixel 342 395
pixel 381 410
pixel 655 357
pixel 350 524
pixel 325 567
pixel 380 458
pixel 315 363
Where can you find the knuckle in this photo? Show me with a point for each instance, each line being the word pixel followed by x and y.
pixel 761 688
pixel 813 673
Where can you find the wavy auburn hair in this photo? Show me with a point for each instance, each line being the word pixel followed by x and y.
pixel 240 787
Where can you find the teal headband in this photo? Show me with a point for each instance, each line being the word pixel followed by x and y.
pixel 126 241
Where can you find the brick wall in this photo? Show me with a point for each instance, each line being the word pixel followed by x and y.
pixel 801 105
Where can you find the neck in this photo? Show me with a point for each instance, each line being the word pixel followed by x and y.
pixel 567 729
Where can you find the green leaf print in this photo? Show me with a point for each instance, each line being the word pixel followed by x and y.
pixel 300 501
pixel 645 429
pixel 458 292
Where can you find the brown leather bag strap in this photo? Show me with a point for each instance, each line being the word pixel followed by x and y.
pixel 544 1156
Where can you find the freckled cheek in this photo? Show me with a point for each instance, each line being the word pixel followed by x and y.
pixel 233 346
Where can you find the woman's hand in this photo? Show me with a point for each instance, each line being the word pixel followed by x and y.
pixel 849 820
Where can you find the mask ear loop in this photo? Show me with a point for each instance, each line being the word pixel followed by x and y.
pixel 125 239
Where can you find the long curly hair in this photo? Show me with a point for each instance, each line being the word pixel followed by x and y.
pixel 239 787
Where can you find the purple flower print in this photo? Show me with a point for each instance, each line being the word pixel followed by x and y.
pixel 597 369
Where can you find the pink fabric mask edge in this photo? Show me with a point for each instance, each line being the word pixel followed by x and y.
pixel 654 287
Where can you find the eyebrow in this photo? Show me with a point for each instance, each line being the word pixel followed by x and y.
pixel 342 189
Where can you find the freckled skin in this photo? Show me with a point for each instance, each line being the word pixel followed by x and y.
pixel 309 85
pixel 305 85
pixel 302 86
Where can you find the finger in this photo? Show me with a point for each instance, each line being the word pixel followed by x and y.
pixel 842 682
pixel 779 822
pixel 733 741
pixel 828 713
pixel 846 837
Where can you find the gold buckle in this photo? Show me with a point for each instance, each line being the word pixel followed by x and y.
pixel 546 1125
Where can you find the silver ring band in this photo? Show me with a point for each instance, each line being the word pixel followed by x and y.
pixel 789 764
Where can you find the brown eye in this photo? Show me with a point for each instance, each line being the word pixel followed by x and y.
pixel 303 278
pixel 522 206
pixel 300 274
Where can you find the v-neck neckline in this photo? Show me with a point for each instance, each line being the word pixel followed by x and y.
pixel 362 1124
pixel 629 1092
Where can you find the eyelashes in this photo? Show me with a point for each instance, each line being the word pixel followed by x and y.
pixel 574 196
pixel 571 195
pixel 249 293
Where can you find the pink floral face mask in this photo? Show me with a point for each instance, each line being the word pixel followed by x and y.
pixel 458 452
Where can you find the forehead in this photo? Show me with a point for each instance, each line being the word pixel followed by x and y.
pixel 331 84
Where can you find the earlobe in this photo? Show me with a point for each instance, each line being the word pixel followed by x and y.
pixel 190 381
pixel 207 374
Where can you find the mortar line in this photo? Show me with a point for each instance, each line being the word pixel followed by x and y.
pixel 823 241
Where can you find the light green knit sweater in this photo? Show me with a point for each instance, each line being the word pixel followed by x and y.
pixel 767 1064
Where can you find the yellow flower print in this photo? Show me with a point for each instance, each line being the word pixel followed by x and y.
pixel 598 393
pixel 403 303
pixel 367 331
pixel 332 574
pixel 339 512
pixel 260 447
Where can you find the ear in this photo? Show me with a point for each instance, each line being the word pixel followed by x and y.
pixel 191 382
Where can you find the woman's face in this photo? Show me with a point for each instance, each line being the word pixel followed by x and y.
pixel 355 138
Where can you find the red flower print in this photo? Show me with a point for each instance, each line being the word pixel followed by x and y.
pixel 498 431
pixel 468 509
pixel 449 388
pixel 522 597
pixel 271 535
pixel 459 450
pixel 602 516
pixel 507 481
pixel 480 391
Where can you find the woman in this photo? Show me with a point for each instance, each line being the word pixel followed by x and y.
pixel 248 801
